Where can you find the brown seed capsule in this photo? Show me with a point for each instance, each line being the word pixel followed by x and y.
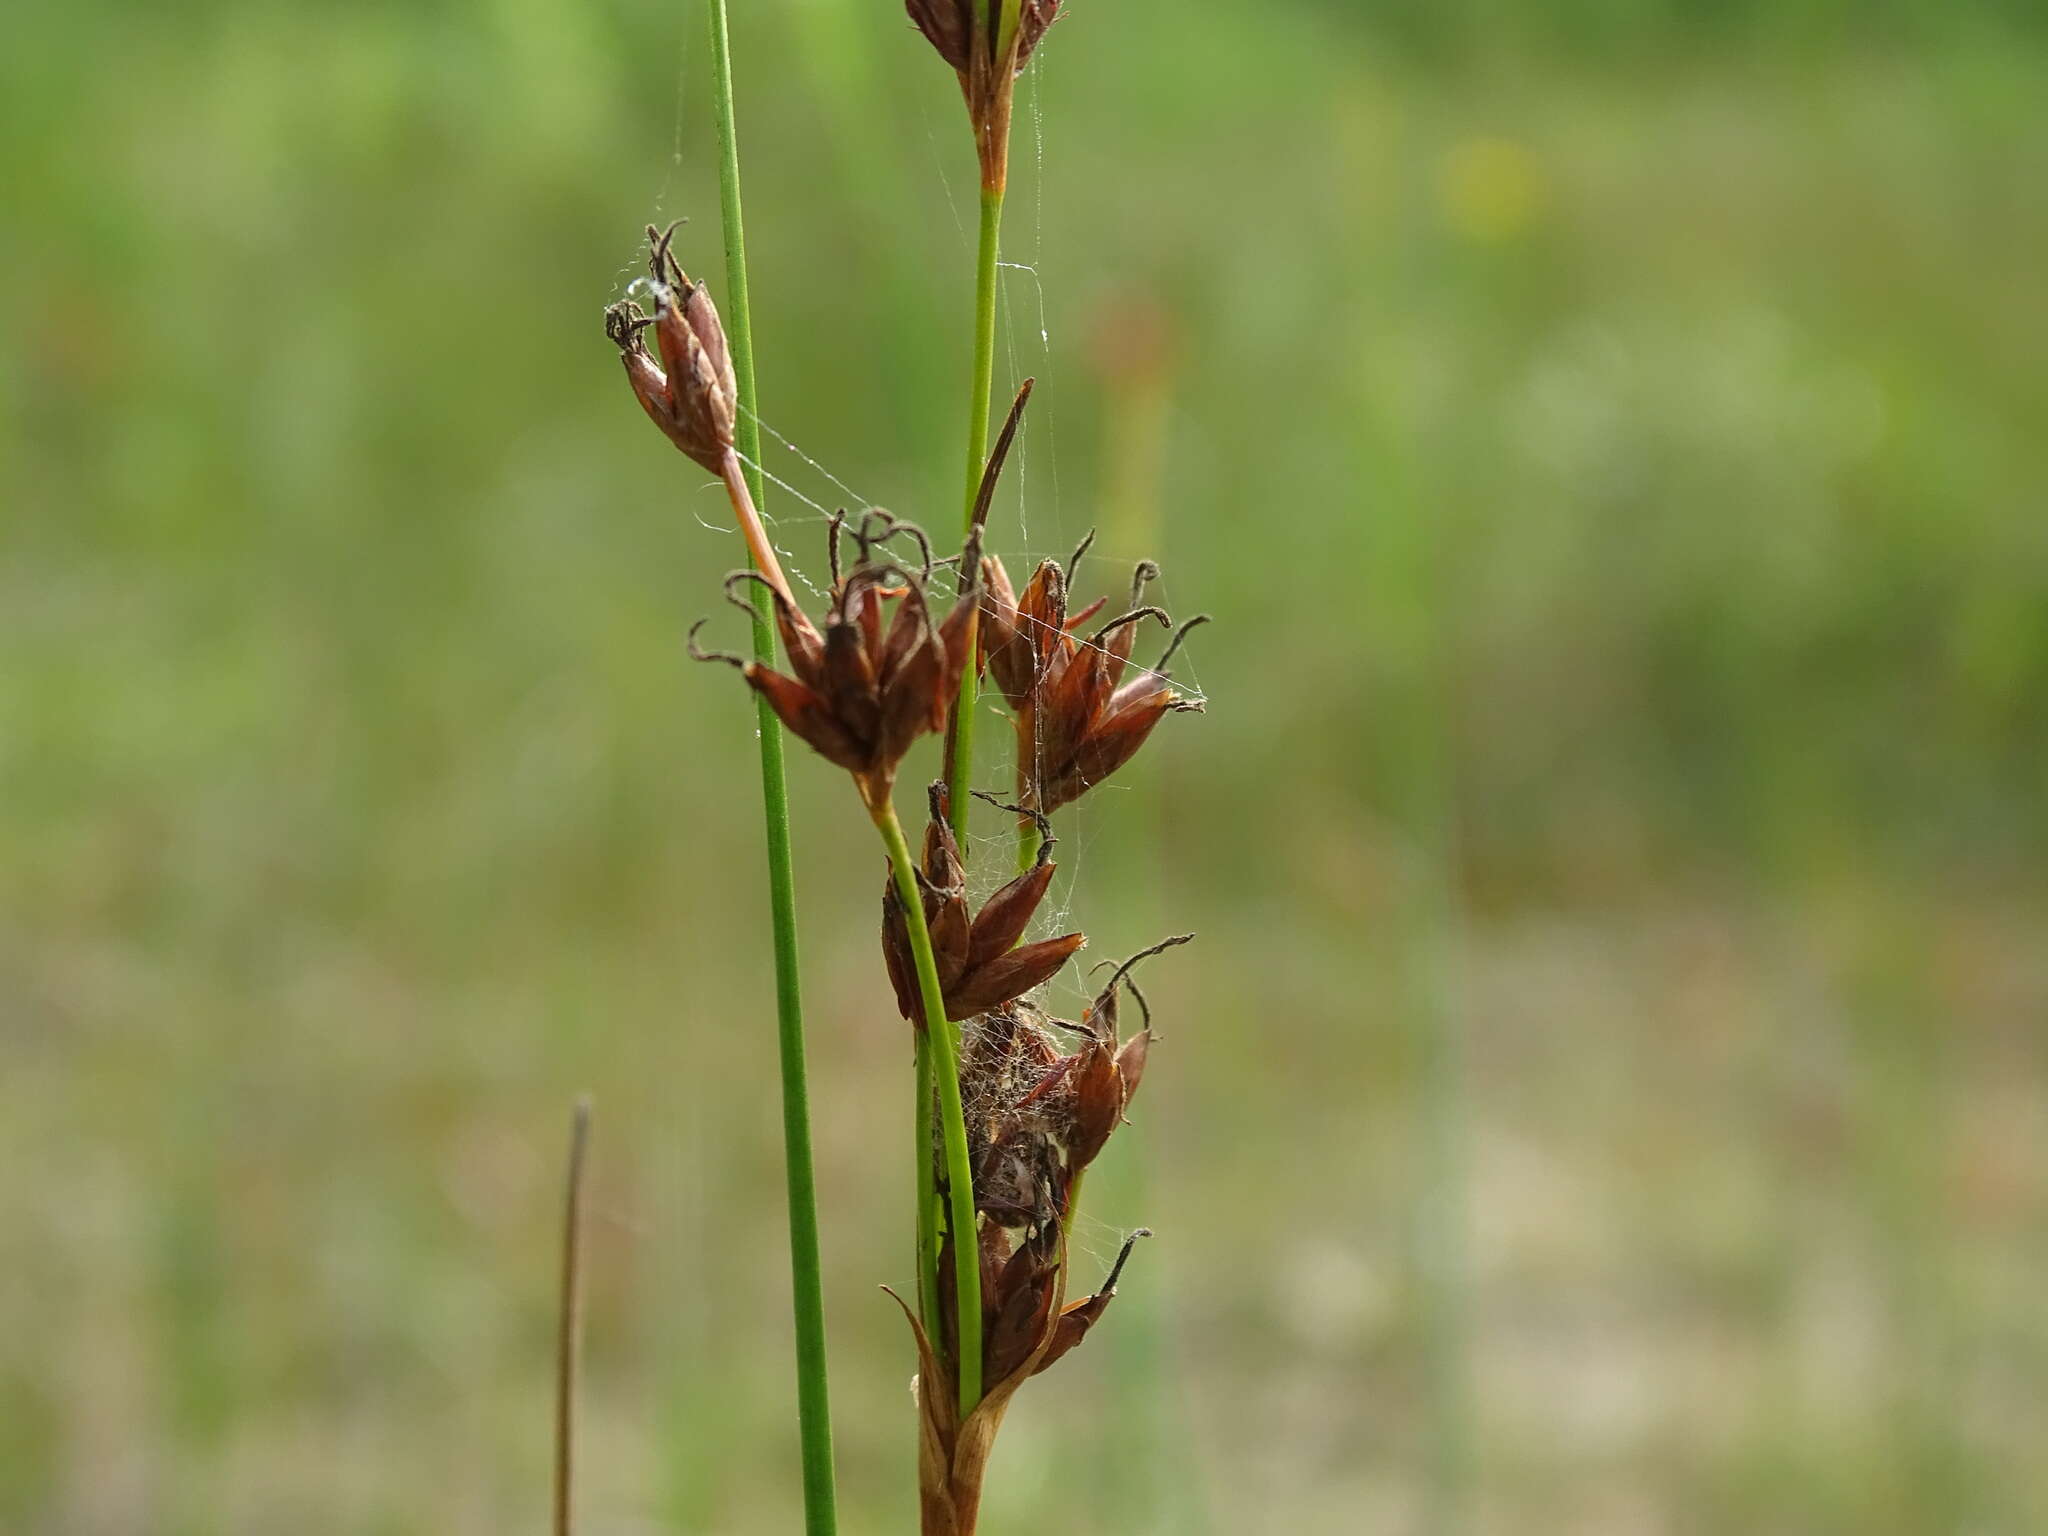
pixel 1078 718
pixel 981 965
pixel 690 394
pixel 880 674
pixel 1101 1088
pixel 1039 1117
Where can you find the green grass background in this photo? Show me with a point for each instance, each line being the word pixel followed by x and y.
pixel 1610 1091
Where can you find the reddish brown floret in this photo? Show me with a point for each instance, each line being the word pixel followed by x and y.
pixel 980 962
pixel 1078 718
pixel 880 674
pixel 1040 1115
pixel 690 394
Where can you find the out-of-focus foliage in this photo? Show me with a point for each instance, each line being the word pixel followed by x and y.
pixel 1610 438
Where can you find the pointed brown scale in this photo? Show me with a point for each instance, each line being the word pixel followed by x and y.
pixel 678 344
pixel 1005 915
pixel 947 25
pixel 1024 1298
pixel 943 867
pixel 704 323
pixel 849 681
pixel 1113 742
pixel 946 921
pixel 896 957
pixel 1006 653
pixel 1098 1104
pixel 916 602
pixel 1076 620
pixel 699 391
pixel 1042 610
pixel 807 715
pixel 1056 720
pixel 908 629
pixel 862 607
pixel 1010 976
pixel 949 949
pixel 650 387
pixel 1075 1321
pixel 1072 1327
pixel 1107 652
pixel 913 698
pixel 1130 1063
pixel 801 643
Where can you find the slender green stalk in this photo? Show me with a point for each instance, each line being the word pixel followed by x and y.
pixel 944 1069
pixel 1008 13
pixel 982 386
pixel 928 1210
pixel 980 390
pixel 814 1413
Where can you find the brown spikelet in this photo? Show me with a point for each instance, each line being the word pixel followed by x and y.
pixel 981 965
pixel 691 394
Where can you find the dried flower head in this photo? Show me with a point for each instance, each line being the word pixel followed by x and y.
pixel 690 394
pixel 980 963
pixel 1078 718
pixel 1042 1115
pixel 881 673
pixel 970 36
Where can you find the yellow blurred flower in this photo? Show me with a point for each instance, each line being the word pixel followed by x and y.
pixel 1491 189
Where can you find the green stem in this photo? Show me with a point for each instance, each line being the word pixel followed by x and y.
pixel 814 1414
pixel 1007 14
pixel 927 1187
pixel 980 390
pixel 944 1070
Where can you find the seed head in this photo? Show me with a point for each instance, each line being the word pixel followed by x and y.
pixel 1078 718
pixel 690 394
pixel 969 35
pixel 882 671
pixel 981 964
pixel 1041 1115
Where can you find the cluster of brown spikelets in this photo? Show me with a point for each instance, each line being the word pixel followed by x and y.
pixel 1035 1097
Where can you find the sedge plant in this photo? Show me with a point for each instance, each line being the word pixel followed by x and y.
pixel 1011 1104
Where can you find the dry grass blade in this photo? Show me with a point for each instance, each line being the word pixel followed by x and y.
pixel 569 1322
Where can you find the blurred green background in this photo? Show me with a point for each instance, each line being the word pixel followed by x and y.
pixel 1610 1091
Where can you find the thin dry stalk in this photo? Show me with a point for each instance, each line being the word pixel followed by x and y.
pixel 569 1322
